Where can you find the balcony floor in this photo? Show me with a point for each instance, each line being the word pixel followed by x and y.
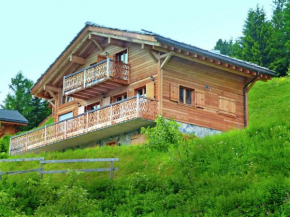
pixel 96 135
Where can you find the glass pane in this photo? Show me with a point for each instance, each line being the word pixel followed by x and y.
pixel 140 92
pixel 65 116
pixel 125 96
pixel 119 98
pixel 188 97
pixel 181 94
pixel 126 58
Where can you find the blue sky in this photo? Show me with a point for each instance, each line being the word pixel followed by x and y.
pixel 34 33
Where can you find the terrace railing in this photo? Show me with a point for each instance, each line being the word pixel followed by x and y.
pixel 97 73
pixel 131 108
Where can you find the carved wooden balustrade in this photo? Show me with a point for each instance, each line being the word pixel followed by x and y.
pixel 97 73
pixel 131 108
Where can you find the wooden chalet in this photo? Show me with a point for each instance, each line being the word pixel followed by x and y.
pixel 109 82
pixel 10 120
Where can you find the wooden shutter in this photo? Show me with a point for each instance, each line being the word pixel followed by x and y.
pixel 227 106
pixel 199 99
pixel 150 90
pixel 174 92
pixel 106 101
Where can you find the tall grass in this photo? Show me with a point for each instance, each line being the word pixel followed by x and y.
pixel 238 173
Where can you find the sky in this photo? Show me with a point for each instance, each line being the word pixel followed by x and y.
pixel 34 33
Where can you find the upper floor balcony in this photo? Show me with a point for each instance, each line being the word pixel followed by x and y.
pixel 96 79
pixel 114 119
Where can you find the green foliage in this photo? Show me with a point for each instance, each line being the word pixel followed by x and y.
pixel 238 173
pixel 163 136
pixel 4 146
pixel 33 109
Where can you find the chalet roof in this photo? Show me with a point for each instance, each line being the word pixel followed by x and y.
pixel 12 116
pixel 171 42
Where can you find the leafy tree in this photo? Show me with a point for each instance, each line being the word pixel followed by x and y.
pixel 33 109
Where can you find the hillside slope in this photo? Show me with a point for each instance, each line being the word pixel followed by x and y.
pixel 238 173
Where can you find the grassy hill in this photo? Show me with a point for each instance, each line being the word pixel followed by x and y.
pixel 238 173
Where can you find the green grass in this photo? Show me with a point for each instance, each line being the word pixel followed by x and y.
pixel 238 173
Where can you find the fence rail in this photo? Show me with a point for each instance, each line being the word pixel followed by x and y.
pixel 42 162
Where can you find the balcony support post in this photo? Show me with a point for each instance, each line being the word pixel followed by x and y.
pixel 138 102
pixel 65 129
pixel 111 115
pixel 84 79
pixel 87 124
pixel 108 67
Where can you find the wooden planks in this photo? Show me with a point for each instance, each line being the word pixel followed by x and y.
pixel 209 84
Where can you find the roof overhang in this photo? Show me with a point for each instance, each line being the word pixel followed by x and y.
pixel 153 41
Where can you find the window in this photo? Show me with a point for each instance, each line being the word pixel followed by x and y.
pixel 141 91
pixel 66 99
pixel 122 57
pixel 93 106
pixel 119 97
pixel 185 95
pixel 65 116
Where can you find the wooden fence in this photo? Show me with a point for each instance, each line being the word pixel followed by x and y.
pixel 42 162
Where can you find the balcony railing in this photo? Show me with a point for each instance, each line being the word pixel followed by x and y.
pixel 97 73
pixel 131 108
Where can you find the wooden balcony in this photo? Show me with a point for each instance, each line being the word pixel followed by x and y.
pixel 107 121
pixel 96 79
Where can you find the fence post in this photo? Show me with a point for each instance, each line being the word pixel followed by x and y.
pixel 45 134
pixel 41 170
pixel 111 170
pixel 0 175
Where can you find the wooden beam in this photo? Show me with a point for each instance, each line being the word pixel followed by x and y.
pixel 39 95
pixel 127 39
pixel 251 85
pixel 117 43
pixel 166 60
pixel 51 88
pixel 52 94
pixel 166 54
pixel 216 63
pixel 78 60
pixel 152 56
pixel 98 45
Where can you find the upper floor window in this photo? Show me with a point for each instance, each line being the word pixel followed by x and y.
pixel 185 95
pixel 93 106
pixel 141 91
pixel 66 99
pixel 122 57
pixel 65 116
pixel 120 97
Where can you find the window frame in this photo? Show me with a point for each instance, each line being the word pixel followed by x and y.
pixel 120 53
pixel 143 89
pixel 90 106
pixel 123 97
pixel 185 91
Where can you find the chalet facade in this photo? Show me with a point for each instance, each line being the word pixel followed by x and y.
pixel 108 83
pixel 10 121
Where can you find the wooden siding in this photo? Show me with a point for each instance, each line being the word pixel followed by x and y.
pixel 142 66
pixel 205 111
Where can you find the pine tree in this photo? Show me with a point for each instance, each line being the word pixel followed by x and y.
pixel 33 109
pixel 257 38
pixel 278 50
